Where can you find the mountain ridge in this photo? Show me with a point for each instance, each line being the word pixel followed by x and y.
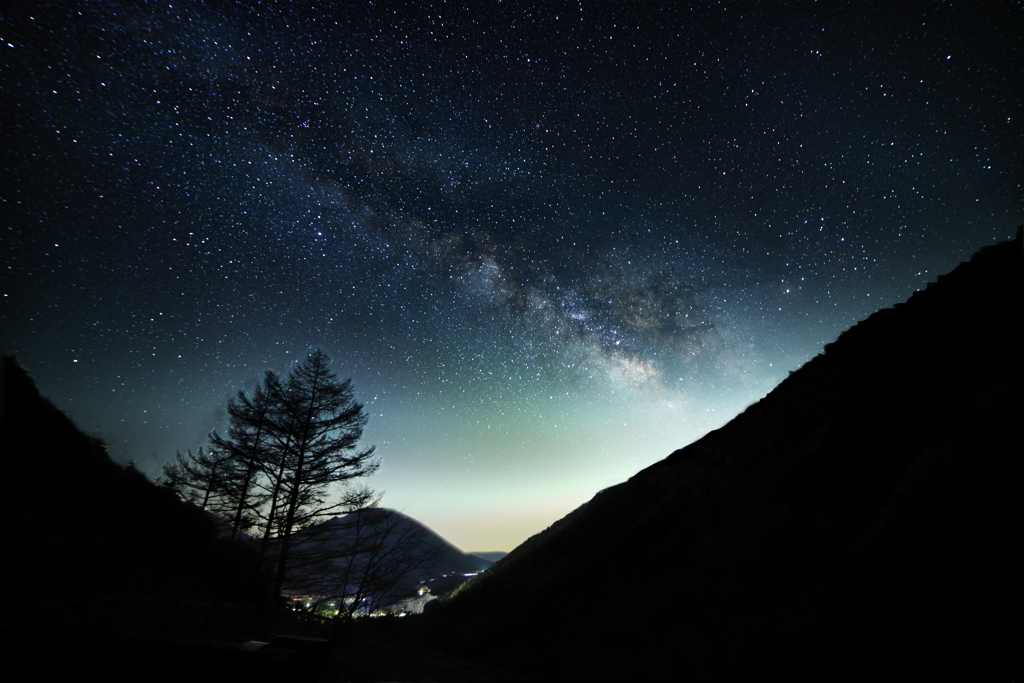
pixel 131 537
pixel 384 556
pixel 870 482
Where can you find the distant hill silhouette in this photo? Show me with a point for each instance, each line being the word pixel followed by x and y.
pixel 78 526
pixel 417 554
pixel 489 555
pixel 862 520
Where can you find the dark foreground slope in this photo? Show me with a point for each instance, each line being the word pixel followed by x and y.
pixel 82 533
pixel 860 520
pixel 107 575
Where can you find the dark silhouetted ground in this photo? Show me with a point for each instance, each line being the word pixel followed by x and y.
pixel 859 521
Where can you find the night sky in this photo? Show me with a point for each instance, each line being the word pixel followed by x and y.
pixel 549 243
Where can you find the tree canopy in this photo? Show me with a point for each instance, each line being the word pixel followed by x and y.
pixel 291 458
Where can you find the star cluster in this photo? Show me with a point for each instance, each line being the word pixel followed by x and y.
pixel 550 242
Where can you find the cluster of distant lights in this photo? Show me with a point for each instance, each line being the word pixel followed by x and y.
pixel 330 607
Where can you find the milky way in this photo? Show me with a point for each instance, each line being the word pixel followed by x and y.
pixel 549 242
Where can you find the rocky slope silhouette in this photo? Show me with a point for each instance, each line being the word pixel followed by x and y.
pixel 859 521
pixel 80 526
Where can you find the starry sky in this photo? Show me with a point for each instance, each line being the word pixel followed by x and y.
pixel 550 243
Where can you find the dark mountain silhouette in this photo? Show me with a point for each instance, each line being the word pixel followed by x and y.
pixel 489 555
pixel 391 553
pixel 859 521
pixel 109 576
pixel 80 527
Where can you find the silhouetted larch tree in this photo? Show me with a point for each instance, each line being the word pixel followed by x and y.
pixel 201 477
pixel 288 461
pixel 317 426
pixel 250 441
